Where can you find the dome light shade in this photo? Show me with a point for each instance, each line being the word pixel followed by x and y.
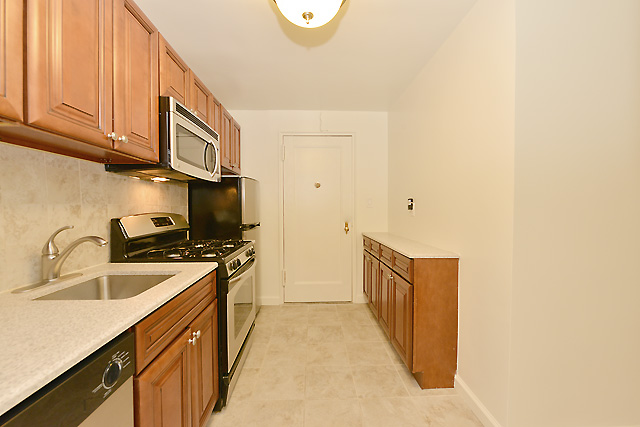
pixel 309 13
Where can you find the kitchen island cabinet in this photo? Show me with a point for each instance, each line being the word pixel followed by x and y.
pixel 11 101
pixel 417 305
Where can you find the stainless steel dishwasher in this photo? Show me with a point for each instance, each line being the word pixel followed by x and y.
pixel 96 392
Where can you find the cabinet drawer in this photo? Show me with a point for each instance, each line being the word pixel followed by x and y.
pixel 403 266
pixel 366 243
pixel 386 254
pixel 375 248
pixel 157 330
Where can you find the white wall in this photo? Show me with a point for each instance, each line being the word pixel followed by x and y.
pixel 41 192
pixel 576 293
pixel 261 140
pixel 451 149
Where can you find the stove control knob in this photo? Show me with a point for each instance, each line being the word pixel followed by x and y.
pixel 237 263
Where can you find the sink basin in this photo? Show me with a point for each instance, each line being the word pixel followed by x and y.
pixel 108 287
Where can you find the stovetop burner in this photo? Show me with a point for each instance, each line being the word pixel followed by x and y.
pixel 193 249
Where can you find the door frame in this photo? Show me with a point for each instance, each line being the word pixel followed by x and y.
pixel 353 227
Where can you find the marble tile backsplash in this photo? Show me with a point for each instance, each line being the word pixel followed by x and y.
pixel 41 192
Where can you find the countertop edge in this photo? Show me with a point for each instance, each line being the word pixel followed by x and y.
pixel 407 247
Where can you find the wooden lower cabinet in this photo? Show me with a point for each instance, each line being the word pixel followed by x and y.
pixel 366 274
pixel 162 395
pixel 384 308
pixel 204 368
pixel 416 303
pixel 402 319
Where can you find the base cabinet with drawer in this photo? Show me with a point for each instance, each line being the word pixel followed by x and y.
pixel 176 381
pixel 415 300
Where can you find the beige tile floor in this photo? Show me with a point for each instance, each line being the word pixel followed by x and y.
pixel 331 365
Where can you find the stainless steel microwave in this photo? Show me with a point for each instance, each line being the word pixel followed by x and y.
pixel 189 148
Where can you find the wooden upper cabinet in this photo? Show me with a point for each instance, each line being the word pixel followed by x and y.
pixel 235 148
pixel 201 99
pixel 69 68
pixel 216 115
pixel 174 73
pixel 11 51
pixel 135 91
pixel 226 139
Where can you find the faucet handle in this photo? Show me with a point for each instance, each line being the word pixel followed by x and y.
pixel 50 247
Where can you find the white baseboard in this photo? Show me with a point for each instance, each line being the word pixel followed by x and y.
pixel 481 411
pixel 269 300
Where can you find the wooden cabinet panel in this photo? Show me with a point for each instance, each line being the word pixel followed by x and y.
pixel 174 73
pixel 375 248
pixel 367 275
pixel 226 139
pixel 403 266
pixel 11 51
pixel 216 112
pixel 402 319
pixel 384 308
pixel 385 255
pixel 69 68
pixel 204 367
pixel 235 148
pixel 200 99
pixel 162 390
pixel 157 330
pixel 135 81
pixel 374 303
pixel 366 243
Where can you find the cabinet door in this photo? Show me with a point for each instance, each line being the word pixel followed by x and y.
pixel 366 276
pixel 226 139
pixel 11 103
pixel 162 389
pixel 174 73
pixel 375 287
pixel 135 86
pixel 204 367
pixel 200 98
pixel 69 72
pixel 402 319
pixel 216 112
pixel 235 148
pixel 384 308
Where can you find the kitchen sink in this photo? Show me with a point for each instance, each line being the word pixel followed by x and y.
pixel 108 287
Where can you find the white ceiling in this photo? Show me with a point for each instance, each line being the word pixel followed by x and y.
pixel 251 57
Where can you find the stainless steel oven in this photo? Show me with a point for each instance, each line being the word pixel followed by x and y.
pixel 241 310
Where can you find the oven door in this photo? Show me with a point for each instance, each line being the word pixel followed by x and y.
pixel 193 151
pixel 241 308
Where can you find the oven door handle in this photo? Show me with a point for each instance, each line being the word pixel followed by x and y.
pixel 248 268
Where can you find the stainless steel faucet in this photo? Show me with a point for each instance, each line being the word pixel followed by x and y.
pixel 52 259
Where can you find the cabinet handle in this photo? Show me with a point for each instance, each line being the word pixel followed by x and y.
pixel 192 340
pixel 113 136
pixel 390 277
pixel 123 139
pixel 196 334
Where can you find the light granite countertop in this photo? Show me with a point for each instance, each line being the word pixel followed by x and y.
pixel 409 248
pixel 42 339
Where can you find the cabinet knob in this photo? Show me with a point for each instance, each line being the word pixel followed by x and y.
pixel 196 334
pixel 390 277
pixel 123 139
pixel 113 136
pixel 192 341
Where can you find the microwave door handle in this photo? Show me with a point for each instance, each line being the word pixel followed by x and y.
pixel 216 157
pixel 206 148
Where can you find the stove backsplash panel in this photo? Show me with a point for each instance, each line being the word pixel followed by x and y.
pixel 41 192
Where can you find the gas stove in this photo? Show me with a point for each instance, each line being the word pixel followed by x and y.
pixel 162 237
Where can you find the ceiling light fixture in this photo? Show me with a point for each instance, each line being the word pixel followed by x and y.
pixel 309 13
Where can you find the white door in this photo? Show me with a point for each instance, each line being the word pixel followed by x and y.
pixel 318 210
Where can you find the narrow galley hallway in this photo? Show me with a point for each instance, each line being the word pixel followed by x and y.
pixel 331 365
